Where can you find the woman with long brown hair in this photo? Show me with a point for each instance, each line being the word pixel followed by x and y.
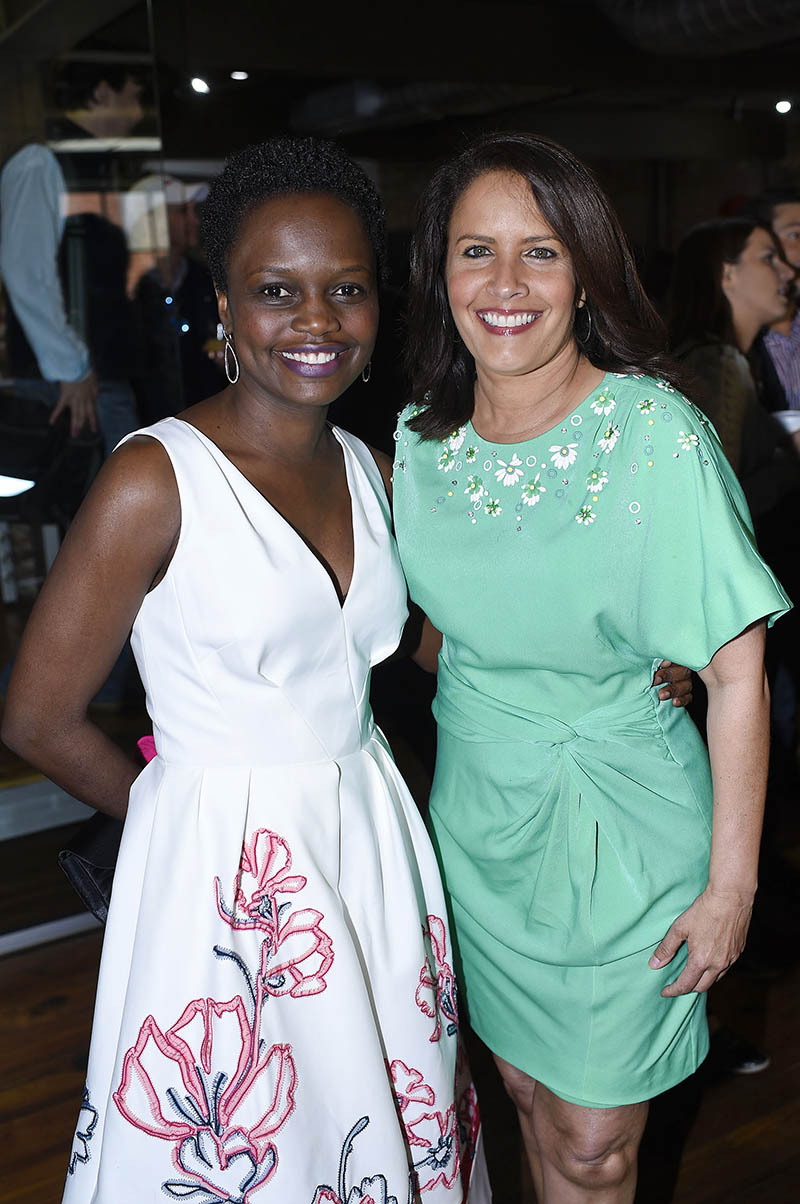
pixel 565 517
pixel 730 281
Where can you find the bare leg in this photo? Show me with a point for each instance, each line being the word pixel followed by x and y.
pixel 520 1087
pixel 577 1155
pixel 588 1154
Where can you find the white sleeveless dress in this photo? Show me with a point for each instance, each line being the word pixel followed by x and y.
pixel 275 1016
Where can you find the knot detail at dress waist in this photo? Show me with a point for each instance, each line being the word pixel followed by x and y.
pixel 477 718
pixel 569 803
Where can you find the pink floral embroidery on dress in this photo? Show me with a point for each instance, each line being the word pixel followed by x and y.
pixel 183 1087
pixel 408 1086
pixel 212 1085
pixel 436 1134
pixel 436 994
pixel 467 1113
pixel 432 1136
pixel 442 1143
pixel 297 953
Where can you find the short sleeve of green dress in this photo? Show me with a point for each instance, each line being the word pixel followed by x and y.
pixel 570 809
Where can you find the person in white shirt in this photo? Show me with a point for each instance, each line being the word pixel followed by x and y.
pixel 65 279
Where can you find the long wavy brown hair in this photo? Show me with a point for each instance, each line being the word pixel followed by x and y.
pixel 626 333
pixel 698 305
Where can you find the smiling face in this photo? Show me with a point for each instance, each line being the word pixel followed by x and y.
pixel 786 224
pixel 510 279
pixel 301 300
pixel 758 283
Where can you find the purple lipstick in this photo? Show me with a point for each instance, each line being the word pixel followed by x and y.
pixel 313 359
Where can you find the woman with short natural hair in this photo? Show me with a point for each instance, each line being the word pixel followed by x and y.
pixel 276 1008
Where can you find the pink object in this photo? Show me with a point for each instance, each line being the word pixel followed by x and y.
pixel 436 993
pixel 147 747
pixel 304 951
pixel 210 1042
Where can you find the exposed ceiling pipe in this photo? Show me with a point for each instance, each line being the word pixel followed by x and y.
pixel 703 28
pixel 368 104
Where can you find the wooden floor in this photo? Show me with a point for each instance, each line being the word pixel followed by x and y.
pixel 711 1141
pixel 45 1017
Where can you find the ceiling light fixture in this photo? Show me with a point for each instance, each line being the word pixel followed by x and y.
pixel 14 486
pixel 200 85
pixel 784 106
pixel 239 75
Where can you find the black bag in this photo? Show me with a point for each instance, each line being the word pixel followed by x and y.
pixel 89 861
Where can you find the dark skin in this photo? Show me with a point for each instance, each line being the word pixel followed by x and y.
pixel 301 275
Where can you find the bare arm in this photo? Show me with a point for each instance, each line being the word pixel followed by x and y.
pixel 118 545
pixel 426 654
pixel 715 925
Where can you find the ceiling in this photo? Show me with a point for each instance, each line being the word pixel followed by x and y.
pixel 654 79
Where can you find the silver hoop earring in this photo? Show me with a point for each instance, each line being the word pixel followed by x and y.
pixel 366 373
pixel 583 341
pixel 230 348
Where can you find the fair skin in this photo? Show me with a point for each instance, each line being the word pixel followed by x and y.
pixel 757 287
pixel 786 224
pixel 514 297
pixel 184 228
pixel 111 112
pixel 499 269
pixel 301 279
pixel 79 397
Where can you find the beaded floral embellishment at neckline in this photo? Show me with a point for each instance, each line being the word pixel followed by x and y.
pixel 509 481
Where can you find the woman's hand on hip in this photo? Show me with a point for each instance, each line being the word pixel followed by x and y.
pixel 715 930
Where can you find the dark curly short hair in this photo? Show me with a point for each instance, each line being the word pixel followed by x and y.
pixel 281 167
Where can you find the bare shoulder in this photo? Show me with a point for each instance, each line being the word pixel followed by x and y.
pixel 135 490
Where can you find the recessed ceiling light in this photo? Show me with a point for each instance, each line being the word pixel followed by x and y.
pixel 200 85
pixel 784 106
pixel 239 75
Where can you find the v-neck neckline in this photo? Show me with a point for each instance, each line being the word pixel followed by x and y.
pixel 341 600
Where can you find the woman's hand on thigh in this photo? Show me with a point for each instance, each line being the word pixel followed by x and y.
pixel 715 930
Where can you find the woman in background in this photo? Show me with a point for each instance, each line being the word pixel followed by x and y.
pixel 730 280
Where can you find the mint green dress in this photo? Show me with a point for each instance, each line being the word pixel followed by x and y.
pixel 570 809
